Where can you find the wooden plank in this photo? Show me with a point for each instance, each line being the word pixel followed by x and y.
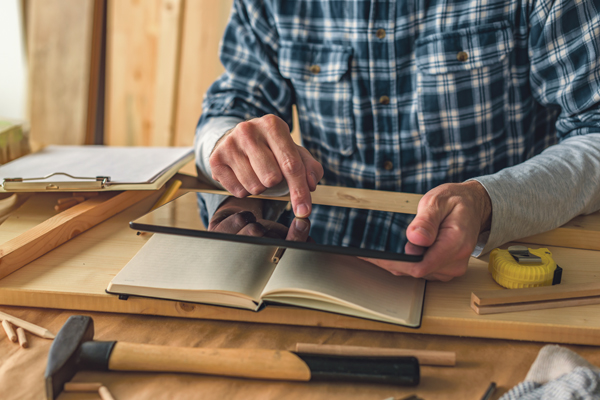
pixel 536 305
pixel 132 41
pixel 59 46
pixel 556 292
pixel 167 71
pixel 62 227
pixel 75 276
pixel 582 232
pixel 203 26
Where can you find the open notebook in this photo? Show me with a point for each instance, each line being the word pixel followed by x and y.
pixel 242 275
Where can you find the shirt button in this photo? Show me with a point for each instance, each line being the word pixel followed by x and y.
pixel 462 56
pixel 380 33
pixel 315 69
pixel 388 165
pixel 384 100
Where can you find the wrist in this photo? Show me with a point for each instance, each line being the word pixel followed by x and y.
pixel 483 204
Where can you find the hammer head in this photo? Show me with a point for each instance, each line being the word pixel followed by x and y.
pixel 63 355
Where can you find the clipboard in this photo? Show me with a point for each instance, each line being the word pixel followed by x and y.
pixel 93 168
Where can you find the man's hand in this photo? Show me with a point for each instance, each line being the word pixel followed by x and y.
pixel 258 154
pixel 448 221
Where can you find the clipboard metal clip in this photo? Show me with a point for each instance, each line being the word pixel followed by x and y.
pixel 78 183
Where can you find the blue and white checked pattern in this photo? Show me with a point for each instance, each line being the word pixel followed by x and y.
pixel 530 78
pixel 580 384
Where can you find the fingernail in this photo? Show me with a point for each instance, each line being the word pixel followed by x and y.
pixel 302 211
pixel 423 232
pixel 301 224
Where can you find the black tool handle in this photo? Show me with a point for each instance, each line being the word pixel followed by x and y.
pixel 402 371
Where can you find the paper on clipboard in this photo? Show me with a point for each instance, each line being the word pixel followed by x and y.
pixel 93 168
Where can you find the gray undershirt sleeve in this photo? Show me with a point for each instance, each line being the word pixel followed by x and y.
pixel 543 192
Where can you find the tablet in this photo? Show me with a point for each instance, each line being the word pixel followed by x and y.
pixel 182 216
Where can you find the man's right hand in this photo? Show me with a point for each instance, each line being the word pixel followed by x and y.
pixel 257 154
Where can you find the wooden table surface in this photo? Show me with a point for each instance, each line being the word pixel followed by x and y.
pixel 479 361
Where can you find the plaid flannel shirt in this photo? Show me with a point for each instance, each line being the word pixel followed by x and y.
pixel 407 95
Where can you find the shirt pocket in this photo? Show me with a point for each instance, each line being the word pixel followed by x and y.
pixel 320 76
pixel 462 87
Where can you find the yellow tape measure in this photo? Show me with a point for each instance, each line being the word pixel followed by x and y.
pixel 521 267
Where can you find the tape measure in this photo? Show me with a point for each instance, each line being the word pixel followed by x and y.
pixel 521 267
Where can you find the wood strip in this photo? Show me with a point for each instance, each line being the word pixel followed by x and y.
pixel 536 305
pixel 425 357
pixel 94 79
pixel 332 195
pixel 167 72
pixel 543 293
pixel 581 232
pixel 55 231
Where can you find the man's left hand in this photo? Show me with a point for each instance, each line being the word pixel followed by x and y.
pixel 449 220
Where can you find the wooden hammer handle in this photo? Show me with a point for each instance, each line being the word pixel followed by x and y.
pixel 246 363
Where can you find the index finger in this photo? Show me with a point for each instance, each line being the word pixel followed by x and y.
pixel 293 169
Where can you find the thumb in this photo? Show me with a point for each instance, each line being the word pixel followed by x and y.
pixel 423 229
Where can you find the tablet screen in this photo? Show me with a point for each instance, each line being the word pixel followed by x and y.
pixel 340 230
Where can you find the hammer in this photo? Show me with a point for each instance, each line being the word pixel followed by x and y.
pixel 74 349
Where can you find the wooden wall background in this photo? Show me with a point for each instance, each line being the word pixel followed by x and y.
pixel 161 56
pixel 149 80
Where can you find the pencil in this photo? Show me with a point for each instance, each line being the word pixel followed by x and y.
pixel 28 326
pixel 168 195
pixel 10 332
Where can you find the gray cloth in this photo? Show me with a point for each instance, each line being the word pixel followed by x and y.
pixel 558 374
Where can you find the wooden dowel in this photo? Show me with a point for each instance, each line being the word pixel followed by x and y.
pixel 425 357
pixel 105 394
pixel 22 338
pixel 65 205
pixel 10 332
pixel 28 326
pixel 82 386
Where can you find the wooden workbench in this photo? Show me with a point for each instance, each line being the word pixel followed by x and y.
pixel 75 275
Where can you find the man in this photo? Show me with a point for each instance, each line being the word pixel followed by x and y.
pixel 460 100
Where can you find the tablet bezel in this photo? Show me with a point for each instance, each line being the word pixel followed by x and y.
pixel 267 241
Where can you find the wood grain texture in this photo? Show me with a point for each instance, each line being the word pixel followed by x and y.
pixel 555 292
pixel 133 29
pixel 59 57
pixel 62 227
pixel 75 276
pixel 167 72
pixel 245 363
pixel 535 305
pixel 203 26
pixel 425 357
pixel 581 232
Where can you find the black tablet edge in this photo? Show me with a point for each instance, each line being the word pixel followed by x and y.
pixel 349 251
